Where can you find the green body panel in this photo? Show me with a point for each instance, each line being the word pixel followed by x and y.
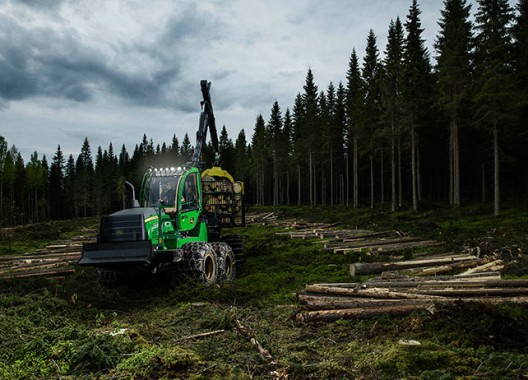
pixel 181 222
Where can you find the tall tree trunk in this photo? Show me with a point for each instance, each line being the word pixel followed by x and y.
pixel 287 186
pixel 413 169
pixel 331 176
pixel 275 179
pixel 298 184
pixel 323 187
pixel 393 166
pixel 400 180
pixel 483 182
pixel 311 178
pixel 315 183
pixel 355 174
pixel 496 179
pixel 347 180
pixel 371 179
pixel 382 182
pixel 451 165
pixel 418 169
pixel 456 166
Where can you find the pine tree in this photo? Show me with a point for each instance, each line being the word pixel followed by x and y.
pixel 392 101
pixel 56 184
pixel 186 149
pixel 311 131
pixel 338 131
pixel 355 104
pixel 3 156
pixel 226 150
pixel 520 66
pixel 259 143
pixel 299 142
pixel 274 128
pixel 85 171
pixel 241 159
pixel 417 91
pixel 69 188
pixel 494 86
pixel 370 125
pixel 287 148
pixel 454 46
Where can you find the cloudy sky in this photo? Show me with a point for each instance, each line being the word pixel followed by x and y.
pixel 114 70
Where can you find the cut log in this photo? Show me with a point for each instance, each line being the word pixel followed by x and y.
pixel 316 302
pixel 373 292
pixel 390 248
pixel 493 265
pixel 332 315
pixel 313 302
pixel 450 267
pixel 380 267
pixel 39 273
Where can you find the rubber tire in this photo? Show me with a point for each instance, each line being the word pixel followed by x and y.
pixel 201 262
pixel 110 279
pixel 226 261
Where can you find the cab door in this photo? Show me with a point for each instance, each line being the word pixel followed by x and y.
pixel 189 202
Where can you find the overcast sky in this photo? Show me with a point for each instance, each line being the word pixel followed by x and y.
pixel 112 71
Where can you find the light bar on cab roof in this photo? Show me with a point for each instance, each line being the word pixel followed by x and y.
pixel 163 172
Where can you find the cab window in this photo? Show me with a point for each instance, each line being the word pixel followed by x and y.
pixel 190 193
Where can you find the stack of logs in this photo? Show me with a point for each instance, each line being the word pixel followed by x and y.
pixel 344 241
pixel 406 286
pixel 225 199
pixel 52 261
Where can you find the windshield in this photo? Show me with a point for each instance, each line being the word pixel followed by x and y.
pixel 162 190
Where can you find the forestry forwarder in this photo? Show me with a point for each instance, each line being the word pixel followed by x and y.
pixel 175 226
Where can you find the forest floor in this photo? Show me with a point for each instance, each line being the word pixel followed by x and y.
pixel 68 327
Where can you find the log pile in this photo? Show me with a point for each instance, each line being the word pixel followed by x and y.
pixel 406 286
pixel 54 260
pixel 430 265
pixel 342 241
pixel 405 295
pixel 224 199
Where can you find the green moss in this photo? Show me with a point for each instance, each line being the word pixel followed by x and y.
pixel 157 362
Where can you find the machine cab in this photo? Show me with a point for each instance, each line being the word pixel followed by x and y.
pixel 177 192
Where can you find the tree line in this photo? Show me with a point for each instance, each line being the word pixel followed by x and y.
pixel 403 130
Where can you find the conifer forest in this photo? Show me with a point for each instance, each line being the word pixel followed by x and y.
pixel 408 127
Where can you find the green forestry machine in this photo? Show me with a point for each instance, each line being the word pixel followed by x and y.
pixel 175 225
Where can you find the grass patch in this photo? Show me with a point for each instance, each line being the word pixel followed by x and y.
pixel 72 328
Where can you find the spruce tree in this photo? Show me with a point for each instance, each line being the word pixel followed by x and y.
pixel 56 184
pixel 494 74
pixel 311 131
pixel 417 92
pixel 454 47
pixel 392 99
pixel 371 117
pixel 355 105
pixel 274 128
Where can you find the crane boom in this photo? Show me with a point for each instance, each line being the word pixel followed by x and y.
pixel 207 121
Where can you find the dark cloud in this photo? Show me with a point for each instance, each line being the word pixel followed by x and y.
pixel 46 62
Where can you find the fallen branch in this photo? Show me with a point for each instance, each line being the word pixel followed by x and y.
pixel 264 354
pixel 202 335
